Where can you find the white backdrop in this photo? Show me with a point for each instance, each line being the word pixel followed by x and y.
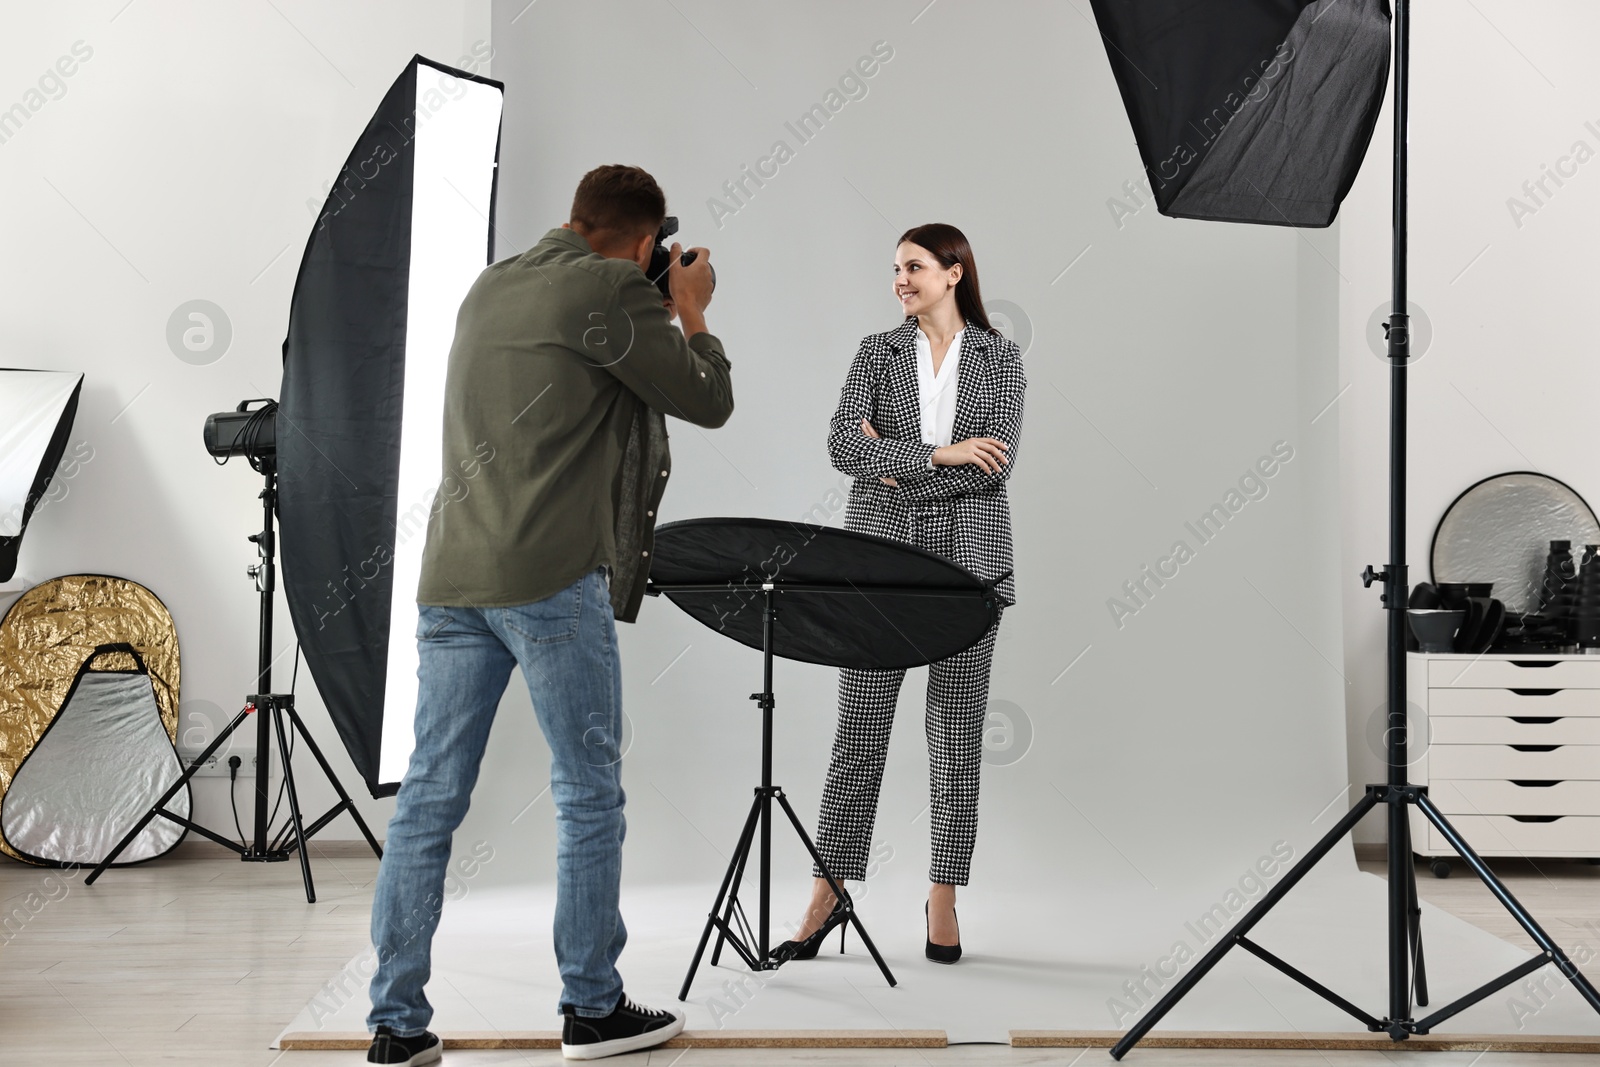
pixel 1166 358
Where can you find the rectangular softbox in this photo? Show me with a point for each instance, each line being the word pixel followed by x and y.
pixel 406 229
pixel 1249 110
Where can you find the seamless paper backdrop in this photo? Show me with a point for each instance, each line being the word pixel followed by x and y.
pixel 1166 697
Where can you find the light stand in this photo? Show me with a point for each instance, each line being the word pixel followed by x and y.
pixel 1405 933
pixel 726 910
pixel 270 709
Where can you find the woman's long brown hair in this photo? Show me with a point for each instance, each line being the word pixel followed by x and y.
pixel 949 246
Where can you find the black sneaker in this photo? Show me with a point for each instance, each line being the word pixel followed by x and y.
pixel 406 1051
pixel 628 1028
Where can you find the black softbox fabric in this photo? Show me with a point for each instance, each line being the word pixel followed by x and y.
pixel 339 423
pixel 1249 110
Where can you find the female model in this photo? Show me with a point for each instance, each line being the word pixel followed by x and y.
pixel 927 424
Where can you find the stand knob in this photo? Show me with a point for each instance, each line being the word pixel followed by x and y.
pixel 1369 576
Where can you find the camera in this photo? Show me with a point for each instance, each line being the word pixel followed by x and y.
pixel 661 257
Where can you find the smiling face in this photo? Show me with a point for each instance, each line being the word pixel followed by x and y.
pixel 920 283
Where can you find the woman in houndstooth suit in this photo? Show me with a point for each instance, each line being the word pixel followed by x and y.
pixel 927 424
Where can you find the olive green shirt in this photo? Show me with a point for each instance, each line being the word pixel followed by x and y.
pixel 555 448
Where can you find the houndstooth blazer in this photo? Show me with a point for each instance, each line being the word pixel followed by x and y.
pixel 961 513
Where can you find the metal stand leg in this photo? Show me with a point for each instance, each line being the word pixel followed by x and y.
pixel 294 805
pixel 734 908
pixel 1415 912
pixel 726 906
pixel 1236 936
pixel 840 896
pixel 160 806
pixel 713 920
pixel 1550 951
pixel 345 803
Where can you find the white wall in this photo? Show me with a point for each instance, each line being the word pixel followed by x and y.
pixel 184 158
pixel 1499 91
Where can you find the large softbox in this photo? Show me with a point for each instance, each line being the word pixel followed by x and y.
pixel 36 412
pixel 1249 110
pixel 405 231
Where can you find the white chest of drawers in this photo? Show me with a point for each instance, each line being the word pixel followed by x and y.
pixel 1509 748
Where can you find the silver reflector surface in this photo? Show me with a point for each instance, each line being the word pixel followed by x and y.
pixel 104 760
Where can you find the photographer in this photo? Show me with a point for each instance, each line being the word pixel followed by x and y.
pixel 564 362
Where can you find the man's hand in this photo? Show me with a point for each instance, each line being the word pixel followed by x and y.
pixel 691 286
pixel 868 429
pixel 986 453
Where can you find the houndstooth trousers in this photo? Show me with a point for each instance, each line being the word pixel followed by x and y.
pixel 958 697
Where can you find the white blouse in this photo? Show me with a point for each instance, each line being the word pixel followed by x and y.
pixel 936 393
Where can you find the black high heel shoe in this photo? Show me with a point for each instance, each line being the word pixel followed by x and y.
pixel 942 953
pixel 807 949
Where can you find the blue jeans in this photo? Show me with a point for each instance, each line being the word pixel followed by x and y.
pixel 566 646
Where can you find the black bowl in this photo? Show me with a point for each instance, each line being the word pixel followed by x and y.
pixel 1455 594
pixel 1424 595
pixel 1435 627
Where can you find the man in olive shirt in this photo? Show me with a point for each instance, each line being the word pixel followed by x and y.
pixel 564 362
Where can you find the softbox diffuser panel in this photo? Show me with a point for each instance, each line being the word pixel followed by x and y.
pixel 406 230
pixel 1249 110
pixel 36 412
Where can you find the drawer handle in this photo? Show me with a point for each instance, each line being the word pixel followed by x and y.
pixel 1532 663
pixel 1535 692
pixel 1536 720
pixel 1536 783
pixel 1537 818
pixel 1535 748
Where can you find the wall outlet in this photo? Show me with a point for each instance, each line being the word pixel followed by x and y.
pixel 217 765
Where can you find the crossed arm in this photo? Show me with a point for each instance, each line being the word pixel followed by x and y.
pixel 921 471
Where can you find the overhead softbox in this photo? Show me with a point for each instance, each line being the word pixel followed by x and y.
pixel 405 231
pixel 36 412
pixel 1249 110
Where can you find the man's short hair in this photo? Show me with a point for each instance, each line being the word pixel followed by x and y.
pixel 617 201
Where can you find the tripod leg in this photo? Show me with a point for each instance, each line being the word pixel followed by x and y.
pixel 838 891
pixel 736 864
pixel 1509 902
pixel 1203 966
pixel 1414 909
pixel 732 905
pixel 156 809
pixel 294 806
pixel 333 779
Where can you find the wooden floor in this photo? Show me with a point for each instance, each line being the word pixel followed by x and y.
pixel 201 959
